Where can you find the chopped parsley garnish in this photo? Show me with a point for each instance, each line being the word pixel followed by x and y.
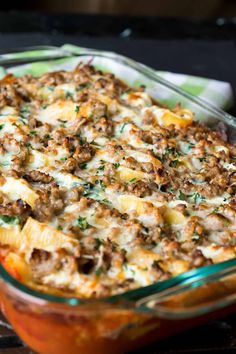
pixel 45 106
pixel 59 227
pixel 83 166
pixel 201 159
pixel 82 86
pixel 123 127
pixel 9 219
pixel 23 120
pixel 100 184
pixel 216 210
pixel 100 168
pixel 88 189
pixel 197 198
pixel 24 112
pixel 116 165
pixel 99 271
pixel 51 88
pixel 174 163
pixel 105 201
pixel 28 145
pixel 63 123
pixel 171 151
pixel 63 158
pixel 69 95
pixel 133 180
pixel 196 237
pixel 190 146
pixel 1 126
pixel 181 195
pixel 33 132
pixel 99 243
pixel 81 139
pixel 94 143
pixel 82 223
pixel 24 109
pixel 77 108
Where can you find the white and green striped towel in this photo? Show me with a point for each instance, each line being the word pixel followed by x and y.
pixel 219 93
pixel 216 92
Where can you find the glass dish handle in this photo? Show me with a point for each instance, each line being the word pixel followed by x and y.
pixel 204 292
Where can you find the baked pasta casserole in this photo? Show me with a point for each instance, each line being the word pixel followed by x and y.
pixel 103 190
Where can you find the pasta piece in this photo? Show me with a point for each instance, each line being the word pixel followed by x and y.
pixel 39 235
pixel 181 119
pixel 173 217
pixel 58 112
pixel 19 189
pixel 127 174
pixel 10 235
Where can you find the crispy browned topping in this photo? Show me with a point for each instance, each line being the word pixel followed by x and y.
pixel 111 190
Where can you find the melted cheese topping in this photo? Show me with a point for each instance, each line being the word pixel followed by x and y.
pixel 103 190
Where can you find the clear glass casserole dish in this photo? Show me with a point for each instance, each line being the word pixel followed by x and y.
pixel 121 323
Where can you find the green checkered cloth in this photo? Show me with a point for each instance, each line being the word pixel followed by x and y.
pixel 218 93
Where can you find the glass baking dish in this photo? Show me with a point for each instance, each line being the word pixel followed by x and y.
pixel 118 324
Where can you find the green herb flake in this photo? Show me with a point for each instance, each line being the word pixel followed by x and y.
pixel 196 237
pixel 94 143
pixel 174 163
pixel 88 189
pixel 9 219
pixel 23 120
pixel 190 146
pixel 63 123
pixel 101 168
pixel 83 166
pixel 99 243
pixel 24 109
pixel 77 108
pixel 68 95
pixel 100 184
pixel 99 271
pixel 133 180
pixel 216 210
pixel 197 198
pixel 28 145
pixel 171 151
pixel 123 127
pixel 1 126
pixel 181 195
pixel 82 86
pixel 106 201
pixel 116 165
pixel 59 227
pixel 51 88
pixel 201 159
pixel 82 223
pixel 33 132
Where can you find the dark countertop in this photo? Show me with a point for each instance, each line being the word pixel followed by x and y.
pixel 192 47
pixel 196 48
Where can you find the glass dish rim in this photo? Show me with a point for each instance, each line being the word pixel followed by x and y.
pixel 54 53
